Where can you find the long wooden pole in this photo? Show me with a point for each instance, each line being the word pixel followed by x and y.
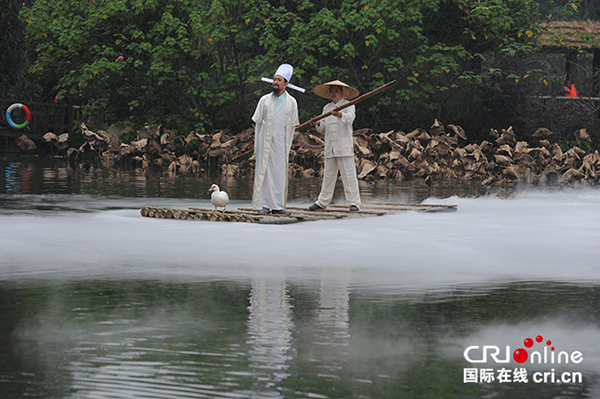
pixel 325 115
pixel 348 104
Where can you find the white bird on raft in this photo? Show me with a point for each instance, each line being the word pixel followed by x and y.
pixel 218 197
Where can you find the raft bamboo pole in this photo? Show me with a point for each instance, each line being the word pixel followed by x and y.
pixel 239 215
pixel 345 211
pixel 302 213
pixel 245 211
pixel 193 214
pixel 249 215
pixel 407 207
pixel 410 205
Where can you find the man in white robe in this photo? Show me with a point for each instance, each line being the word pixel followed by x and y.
pixel 276 118
pixel 339 145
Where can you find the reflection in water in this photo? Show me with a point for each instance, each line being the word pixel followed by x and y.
pixel 332 324
pixel 44 175
pixel 10 177
pixel 18 178
pixel 270 327
pixel 157 339
pixel 125 340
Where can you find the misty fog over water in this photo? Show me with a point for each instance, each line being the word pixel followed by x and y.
pixel 530 235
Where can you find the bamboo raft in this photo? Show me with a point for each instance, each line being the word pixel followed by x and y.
pixel 247 215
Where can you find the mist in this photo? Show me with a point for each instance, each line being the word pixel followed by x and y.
pixel 531 235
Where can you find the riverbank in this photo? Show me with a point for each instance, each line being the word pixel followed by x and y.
pixel 440 153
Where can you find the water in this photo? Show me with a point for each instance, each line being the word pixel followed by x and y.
pixel 98 302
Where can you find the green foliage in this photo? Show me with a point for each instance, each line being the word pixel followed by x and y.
pixel 434 48
pixel 196 64
pixel 564 10
pixel 14 56
pixel 181 63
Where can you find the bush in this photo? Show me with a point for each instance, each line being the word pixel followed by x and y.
pixel 196 65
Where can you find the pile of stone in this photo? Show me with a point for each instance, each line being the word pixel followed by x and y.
pixel 439 153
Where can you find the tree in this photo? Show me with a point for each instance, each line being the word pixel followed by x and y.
pixel 197 64
pixel 181 63
pixel 14 54
pixel 436 49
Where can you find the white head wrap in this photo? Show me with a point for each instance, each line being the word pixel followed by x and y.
pixel 286 71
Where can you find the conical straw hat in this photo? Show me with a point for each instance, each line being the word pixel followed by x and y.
pixel 323 90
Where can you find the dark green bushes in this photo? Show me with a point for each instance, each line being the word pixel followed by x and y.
pixel 196 65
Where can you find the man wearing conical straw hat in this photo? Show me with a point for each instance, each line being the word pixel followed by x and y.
pixel 339 146
pixel 276 118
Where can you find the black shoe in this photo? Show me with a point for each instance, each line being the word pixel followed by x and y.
pixel 281 212
pixel 264 211
pixel 315 207
pixel 354 208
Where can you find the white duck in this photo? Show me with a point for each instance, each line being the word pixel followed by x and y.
pixel 218 197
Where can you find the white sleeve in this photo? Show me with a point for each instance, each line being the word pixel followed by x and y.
pixel 348 115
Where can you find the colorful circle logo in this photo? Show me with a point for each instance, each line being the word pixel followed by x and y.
pixel 9 117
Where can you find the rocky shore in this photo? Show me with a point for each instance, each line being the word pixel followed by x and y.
pixel 439 153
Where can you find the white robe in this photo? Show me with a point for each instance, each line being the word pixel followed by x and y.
pixel 273 137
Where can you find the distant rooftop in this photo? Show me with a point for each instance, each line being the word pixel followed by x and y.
pixel 570 35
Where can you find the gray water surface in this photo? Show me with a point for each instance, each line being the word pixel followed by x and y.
pixel 98 302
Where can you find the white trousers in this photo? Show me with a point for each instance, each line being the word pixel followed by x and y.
pixel 347 169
